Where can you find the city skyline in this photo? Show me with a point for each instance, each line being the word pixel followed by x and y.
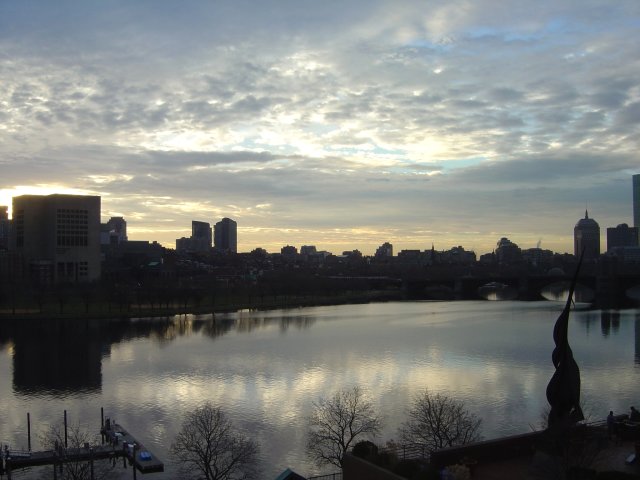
pixel 340 125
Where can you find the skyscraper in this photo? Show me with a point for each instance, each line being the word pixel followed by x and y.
pixel 4 228
pixel 636 200
pixel 586 236
pixel 200 236
pixel 622 236
pixel 225 235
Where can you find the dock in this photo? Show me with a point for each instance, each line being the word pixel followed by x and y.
pixel 16 459
pixel 137 454
pixel 117 443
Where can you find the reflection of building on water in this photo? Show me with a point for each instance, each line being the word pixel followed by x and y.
pixel 609 320
pixel 66 356
pixel 637 339
pixel 65 362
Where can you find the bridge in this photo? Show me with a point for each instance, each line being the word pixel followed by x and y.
pixel 609 284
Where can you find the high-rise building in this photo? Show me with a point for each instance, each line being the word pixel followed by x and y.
pixel 308 250
pixel 507 252
pixel 622 236
pixel 384 250
pixel 226 235
pixel 636 200
pixel 200 236
pixel 118 226
pixel 586 237
pixel 58 236
pixel 114 232
pixel 4 228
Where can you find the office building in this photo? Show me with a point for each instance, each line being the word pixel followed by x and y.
pixel 4 228
pixel 622 236
pixel 586 237
pixel 57 236
pixel 200 236
pixel 385 250
pixel 636 200
pixel 507 252
pixel 114 232
pixel 308 250
pixel 225 235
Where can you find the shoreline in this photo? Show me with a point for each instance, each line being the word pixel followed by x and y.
pixel 160 312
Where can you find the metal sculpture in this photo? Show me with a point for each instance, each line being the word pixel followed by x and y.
pixel 563 390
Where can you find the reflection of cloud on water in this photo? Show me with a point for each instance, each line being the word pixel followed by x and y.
pixel 480 353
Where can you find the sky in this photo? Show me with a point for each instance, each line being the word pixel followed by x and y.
pixel 342 125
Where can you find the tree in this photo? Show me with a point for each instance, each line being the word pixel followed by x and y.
pixel 337 423
pixel 437 421
pixel 77 437
pixel 208 446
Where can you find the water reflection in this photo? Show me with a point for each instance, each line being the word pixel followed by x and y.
pixel 59 357
pixel 497 291
pixel 559 292
pixel 637 338
pixel 265 368
pixel 608 320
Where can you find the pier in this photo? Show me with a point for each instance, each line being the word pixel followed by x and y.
pixel 117 443
pixel 137 454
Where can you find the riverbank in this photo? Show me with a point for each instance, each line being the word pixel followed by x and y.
pixel 97 311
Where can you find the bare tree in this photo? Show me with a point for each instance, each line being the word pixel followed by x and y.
pixel 438 421
pixel 337 422
pixel 77 437
pixel 207 446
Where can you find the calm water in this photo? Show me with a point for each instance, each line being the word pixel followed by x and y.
pixel 265 368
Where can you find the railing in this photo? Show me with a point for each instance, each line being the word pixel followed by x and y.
pixel 329 476
pixel 407 452
pixel 15 453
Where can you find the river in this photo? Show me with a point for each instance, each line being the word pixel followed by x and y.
pixel 265 368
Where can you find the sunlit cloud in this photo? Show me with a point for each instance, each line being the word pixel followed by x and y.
pixel 459 116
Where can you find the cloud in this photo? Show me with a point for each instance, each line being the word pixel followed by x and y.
pixel 362 116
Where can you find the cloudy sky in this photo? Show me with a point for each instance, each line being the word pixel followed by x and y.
pixel 336 124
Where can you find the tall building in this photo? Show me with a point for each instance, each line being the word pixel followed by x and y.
pixel 58 236
pixel 200 236
pixel 586 236
pixel 4 228
pixel 118 226
pixel 114 232
pixel 636 200
pixel 507 252
pixel 622 236
pixel 226 235
pixel 384 250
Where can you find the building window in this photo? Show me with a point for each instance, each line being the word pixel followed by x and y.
pixel 72 226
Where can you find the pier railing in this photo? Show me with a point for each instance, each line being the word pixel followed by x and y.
pixel 327 476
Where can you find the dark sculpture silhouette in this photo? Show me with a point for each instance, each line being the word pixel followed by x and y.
pixel 563 390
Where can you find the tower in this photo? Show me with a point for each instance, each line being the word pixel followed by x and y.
pixel 586 236
pixel 200 236
pixel 225 235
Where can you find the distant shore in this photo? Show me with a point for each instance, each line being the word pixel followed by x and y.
pixel 101 311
